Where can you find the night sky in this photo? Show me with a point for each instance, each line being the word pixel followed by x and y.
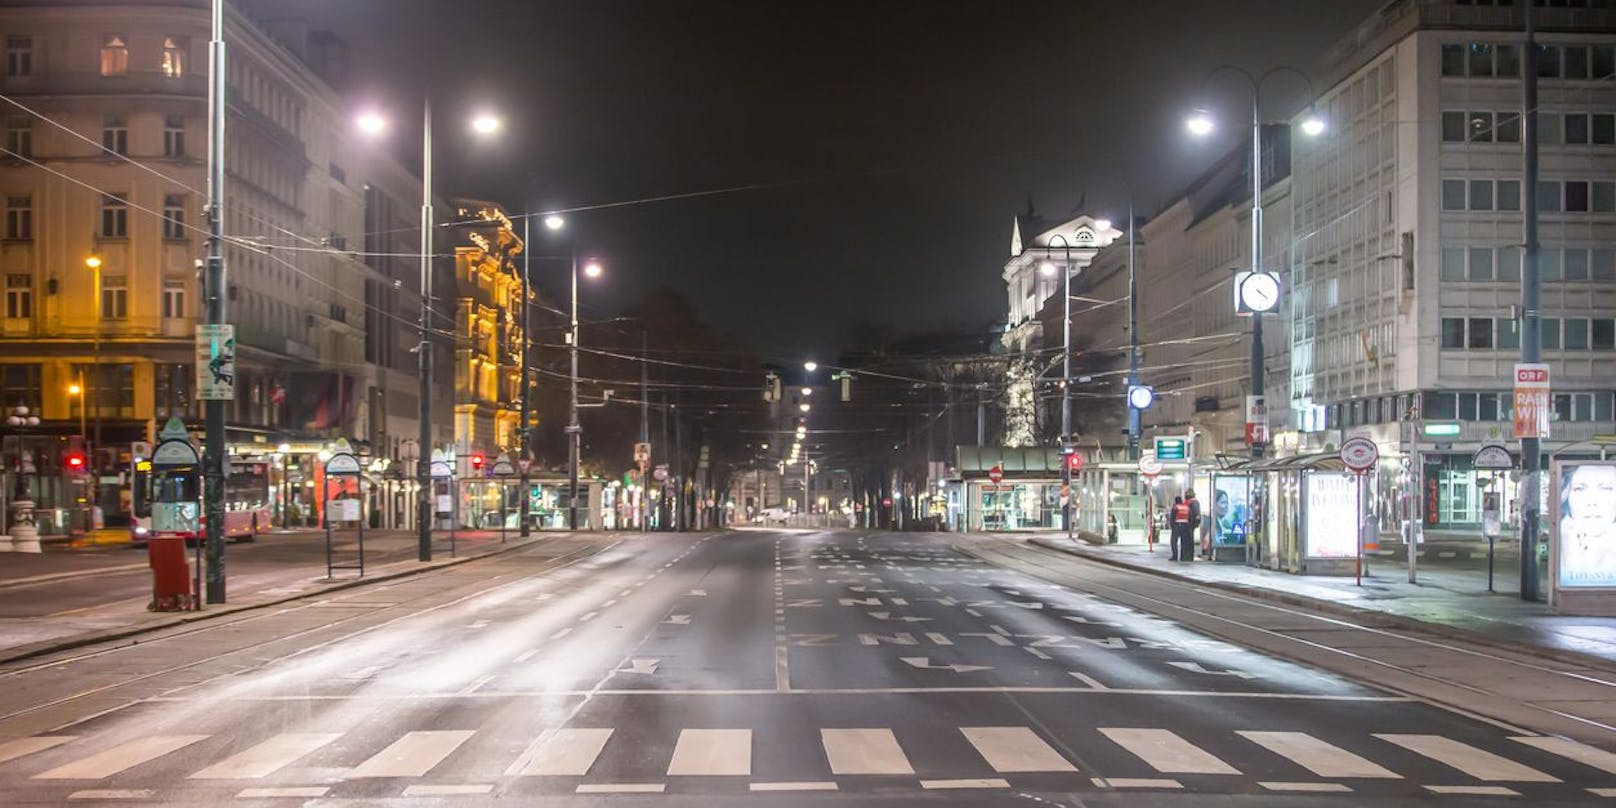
pixel 887 144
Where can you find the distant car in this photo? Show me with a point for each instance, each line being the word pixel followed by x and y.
pixel 771 515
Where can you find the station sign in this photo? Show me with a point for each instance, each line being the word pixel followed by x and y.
pixel 1172 449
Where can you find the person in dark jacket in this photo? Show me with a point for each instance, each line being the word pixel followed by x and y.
pixel 1179 522
pixel 1192 519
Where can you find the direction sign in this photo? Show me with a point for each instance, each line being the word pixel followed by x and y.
pixel 1149 465
pixel 1359 453
pixel 996 474
pixel 1172 448
pixel 1493 456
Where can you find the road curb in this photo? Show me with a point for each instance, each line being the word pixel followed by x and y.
pixel 48 647
pixel 1369 617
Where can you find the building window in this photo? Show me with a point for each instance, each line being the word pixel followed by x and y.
pixel 1453 194
pixel 1453 60
pixel 174 299
pixel 115 134
pixel 1481 59
pixel 19 384
pixel 20 135
pixel 112 389
pixel 173 216
pixel 1509 263
pixel 19 297
pixel 114 55
pixel 1576 333
pixel 1576 61
pixel 1453 127
pixel 1548 263
pixel 1481 194
pixel 1548 62
pixel 1509 334
pixel 1509 62
pixel 1548 196
pixel 1602 334
pixel 1481 333
pixel 1487 407
pixel 1604 197
pixel 1575 266
pixel 1602 264
pixel 1480 125
pixel 173 64
pixel 1509 127
pixel 20 217
pixel 1576 196
pixel 19 56
pixel 1481 263
pixel 1453 332
pixel 173 136
pixel 1509 194
pixel 115 216
pixel 114 297
pixel 1453 264
pixel 1549 329
pixel 1575 128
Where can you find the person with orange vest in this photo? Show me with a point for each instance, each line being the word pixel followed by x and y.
pixel 1182 535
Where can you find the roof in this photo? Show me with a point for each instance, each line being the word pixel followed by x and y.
pixel 1321 461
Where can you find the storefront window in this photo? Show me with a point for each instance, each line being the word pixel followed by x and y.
pixel 1021 506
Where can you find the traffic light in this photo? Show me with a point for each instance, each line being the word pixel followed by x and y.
pixel 73 461
pixel 477 461
pixel 1074 461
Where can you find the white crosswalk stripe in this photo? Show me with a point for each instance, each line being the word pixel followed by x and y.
pixel 412 755
pixel 1015 749
pixel 864 751
pixel 712 752
pixel 1580 752
pixel 562 752
pixel 17 747
pixel 1166 752
pixel 118 758
pixel 266 758
pixel 1477 763
pixel 1318 757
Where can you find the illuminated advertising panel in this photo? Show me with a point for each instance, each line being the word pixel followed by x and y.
pixel 1231 509
pixel 1583 513
pixel 1330 505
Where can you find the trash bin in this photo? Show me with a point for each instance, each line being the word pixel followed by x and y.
pixel 171 575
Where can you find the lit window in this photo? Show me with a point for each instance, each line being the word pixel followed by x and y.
pixel 114 55
pixel 173 64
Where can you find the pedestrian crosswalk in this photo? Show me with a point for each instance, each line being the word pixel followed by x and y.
pixel 581 759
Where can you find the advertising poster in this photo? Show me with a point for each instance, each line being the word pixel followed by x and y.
pixel 1231 509
pixel 1330 503
pixel 1584 523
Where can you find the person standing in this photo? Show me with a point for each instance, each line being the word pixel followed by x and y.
pixel 1181 530
pixel 1192 518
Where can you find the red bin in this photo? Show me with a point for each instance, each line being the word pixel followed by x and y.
pixel 171 575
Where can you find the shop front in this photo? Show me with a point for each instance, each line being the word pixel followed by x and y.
pixel 1009 488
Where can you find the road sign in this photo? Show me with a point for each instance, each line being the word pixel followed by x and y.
pixel 1493 456
pixel 1149 465
pixel 1359 453
pixel 1172 448
pixel 642 452
pixel 1256 420
pixel 996 474
pixel 1532 400
pixel 216 362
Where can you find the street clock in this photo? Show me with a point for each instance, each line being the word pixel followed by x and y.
pixel 1259 292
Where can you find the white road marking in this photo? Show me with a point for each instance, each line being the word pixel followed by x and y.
pixel 924 663
pixel 697 593
pixel 113 794
pixel 363 673
pixel 119 758
pixel 1087 679
pixel 977 782
pixel 1037 652
pixel 17 747
pixel 479 624
pixel 266 757
pixel 525 656
pixel 1318 757
pixel 812 785
pixel 588 616
pixel 562 633
pixel 1477 763
pixel 677 620
pixel 475 685
pixel 1313 787
pixel 864 751
pixel 1476 791
pixel 620 788
pixel 1015 749
pixel 1166 752
pixel 286 791
pixel 412 755
pixel 1196 667
pixel 446 790
pixel 1580 752
pixel 1602 792
pixel 643 665
pixel 1136 782
pixel 972 612
pixel 566 752
pixel 712 752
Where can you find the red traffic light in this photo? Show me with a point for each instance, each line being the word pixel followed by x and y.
pixel 74 461
pixel 1074 461
pixel 477 462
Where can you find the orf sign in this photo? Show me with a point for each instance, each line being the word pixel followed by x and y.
pixel 1256 420
pixel 1532 400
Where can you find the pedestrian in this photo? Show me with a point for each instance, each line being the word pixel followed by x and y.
pixel 1192 519
pixel 1173 526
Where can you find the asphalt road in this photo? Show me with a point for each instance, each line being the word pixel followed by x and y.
pixel 770 667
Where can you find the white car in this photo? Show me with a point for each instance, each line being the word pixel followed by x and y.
pixel 771 515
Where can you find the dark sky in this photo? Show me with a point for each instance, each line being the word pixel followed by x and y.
pixel 895 139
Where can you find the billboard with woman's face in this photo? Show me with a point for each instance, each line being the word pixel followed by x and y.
pixel 1584 521
pixel 1231 510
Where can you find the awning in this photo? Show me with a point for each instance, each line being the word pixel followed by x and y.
pixel 1321 461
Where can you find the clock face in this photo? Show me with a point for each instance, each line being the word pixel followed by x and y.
pixel 1260 292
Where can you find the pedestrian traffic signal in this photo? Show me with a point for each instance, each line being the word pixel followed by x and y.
pixel 1074 461
pixel 74 462
pixel 477 461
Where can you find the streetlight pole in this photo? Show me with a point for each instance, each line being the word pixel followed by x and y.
pixel 213 408
pixel 1066 386
pixel 574 430
pixel 423 465
pixel 1133 342
pixel 526 441
pixel 1531 305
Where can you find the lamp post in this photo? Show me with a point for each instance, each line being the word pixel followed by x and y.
pixel 22 506
pixel 92 262
pixel 574 430
pixel 374 124
pixel 1200 124
pixel 1066 379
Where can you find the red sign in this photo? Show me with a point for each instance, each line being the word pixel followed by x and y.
pixel 1074 461
pixel 1532 401
pixel 995 474
pixel 886 502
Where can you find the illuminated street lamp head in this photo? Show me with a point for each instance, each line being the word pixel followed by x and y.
pixel 1313 125
pixel 1102 224
pixel 805 406
pixel 93 261
pixel 807 391
pixel 74 389
pixel 593 269
pixel 485 124
pixel 554 221
pixel 371 123
pixel 1200 123
pixel 810 366
pixel 1047 269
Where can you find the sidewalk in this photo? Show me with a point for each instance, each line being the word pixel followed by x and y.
pixel 58 600
pixel 1445 601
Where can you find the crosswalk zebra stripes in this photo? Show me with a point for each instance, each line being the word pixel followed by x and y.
pixel 1134 758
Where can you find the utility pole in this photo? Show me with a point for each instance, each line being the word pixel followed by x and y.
pixel 213 460
pixel 1531 302
pixel 1133 342
pixel 1257 369
pixel 678 469
pixel 574 431
pixel 526 459
pixel 423 349
pixel 645 432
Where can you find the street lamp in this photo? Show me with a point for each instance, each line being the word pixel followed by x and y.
pixel 92 262
pixel 810 366
pixel 22 519
pixel 593 269
pixel 374 124
pixel 1066 381
pixel 1201 124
